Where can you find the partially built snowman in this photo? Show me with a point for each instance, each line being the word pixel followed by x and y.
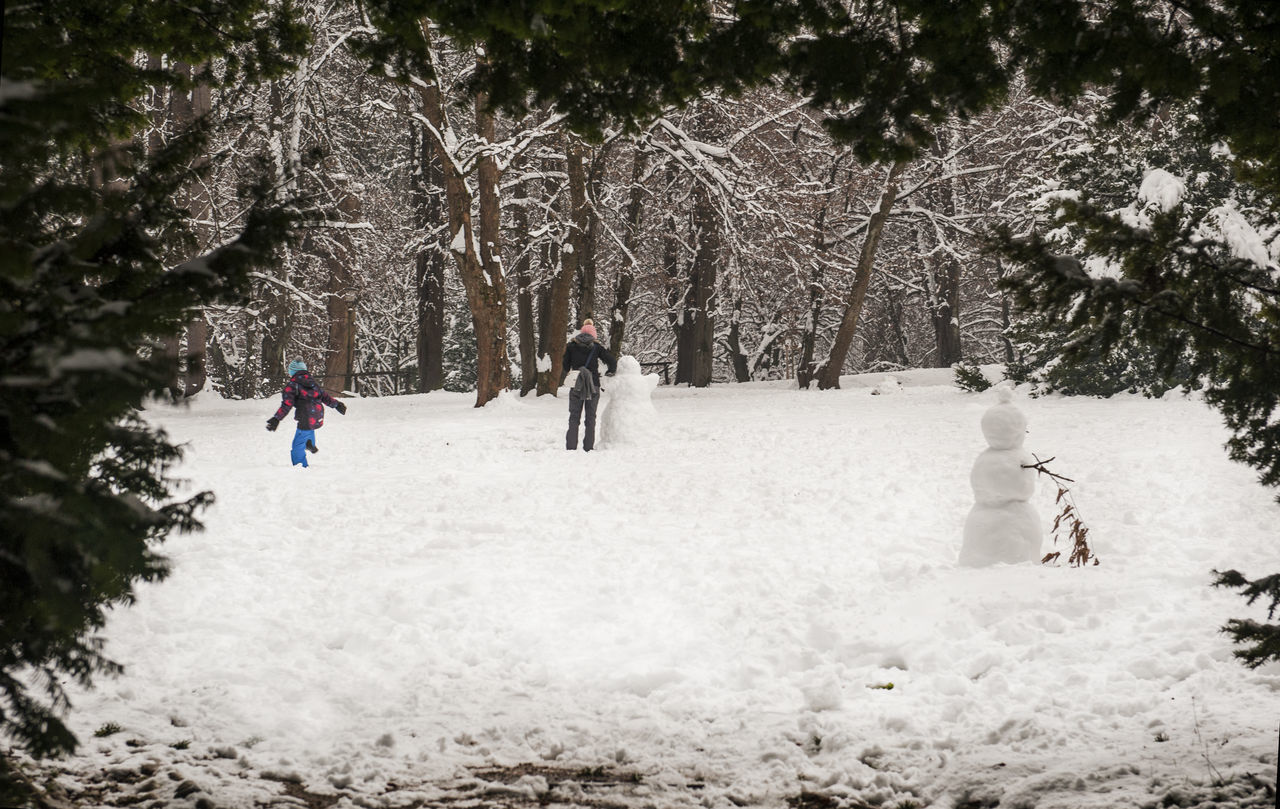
pixel 629 416
pixel 1002 526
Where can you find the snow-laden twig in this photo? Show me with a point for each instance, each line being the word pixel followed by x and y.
pixel 288 286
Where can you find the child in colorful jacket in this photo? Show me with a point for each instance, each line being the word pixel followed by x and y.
pixel 303 393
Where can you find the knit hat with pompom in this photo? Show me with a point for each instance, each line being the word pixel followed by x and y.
pixel 589 328
pixel 296 366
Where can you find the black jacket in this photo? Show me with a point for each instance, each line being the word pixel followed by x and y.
pixel 578 350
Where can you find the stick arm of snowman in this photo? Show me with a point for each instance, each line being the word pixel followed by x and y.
pixel 1039 466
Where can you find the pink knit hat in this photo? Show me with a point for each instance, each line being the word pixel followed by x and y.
pixel 589 328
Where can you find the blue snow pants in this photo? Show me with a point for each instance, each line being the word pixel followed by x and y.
pixel 300 439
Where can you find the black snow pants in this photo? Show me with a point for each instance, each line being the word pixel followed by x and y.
pixel 576 405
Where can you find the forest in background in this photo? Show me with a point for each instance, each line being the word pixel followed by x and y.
pixel 734 239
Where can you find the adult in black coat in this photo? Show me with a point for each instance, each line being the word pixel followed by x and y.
pixel 583 354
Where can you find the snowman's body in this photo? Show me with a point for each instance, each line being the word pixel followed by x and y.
pixel 1002 526
pixel 629 416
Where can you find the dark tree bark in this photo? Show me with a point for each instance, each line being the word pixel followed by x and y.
pixel 278 325
pixel 475 247
pixel 551 341
pixel 179 119
pixel 578 252
pixel 197 359
pixel 894 339
pixel 197 355
pixel 1006 318
pixel 830 375
pixel 428 186
pixel 586 226
pixel 699 312
pixel 946 312
pixel 945 306
pixel 557 308
pixel 630 239
pixel 525 327
pixel 276 318
pixel 340 293
pixel 807 372
pixel 678 290
pixel 487 291
pixel 186 372
pixel 741 369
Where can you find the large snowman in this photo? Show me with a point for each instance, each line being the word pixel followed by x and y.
pixel 629 416
pixel 1002 526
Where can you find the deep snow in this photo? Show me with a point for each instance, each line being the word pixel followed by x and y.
pixel 429 599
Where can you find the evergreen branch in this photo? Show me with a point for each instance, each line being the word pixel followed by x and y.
pixel 1260 642
pixel 1268 586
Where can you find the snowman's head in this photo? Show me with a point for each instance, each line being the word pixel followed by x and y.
pixel 1003 424
pixel 628 366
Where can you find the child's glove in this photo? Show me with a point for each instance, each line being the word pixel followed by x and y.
pixel 272 424
pixel 341 408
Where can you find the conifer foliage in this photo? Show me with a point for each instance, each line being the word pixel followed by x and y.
pixel 1169 258
pixel 1260 642
pixel 95 262
pixel 1131 172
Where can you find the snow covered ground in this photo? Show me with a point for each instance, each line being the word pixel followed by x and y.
pixel 714 616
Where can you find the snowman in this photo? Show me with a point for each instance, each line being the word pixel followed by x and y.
pixel 629 416
pixel 1002 526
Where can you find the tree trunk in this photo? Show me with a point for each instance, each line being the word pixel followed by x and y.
pixel 201 206
pixel 579 232
pixel 186 371
pixel 428 185
pixel 180 118
pixel 584 226
pixel 626 275
pixel 1006 319
pixel 945 306
pixel 741 370
pixel 830 375
pixel 702 287
pixel 556 317
pixel 275 340
pixel 197 355
pixel 168 357
pixel 487 292
pixel 897 321
pixel 807 372
pixel 275 319
pixel 550 344
pixel 678 290
pixel 340 353
pixel 475 249
pixel 525 327
pixel 946 312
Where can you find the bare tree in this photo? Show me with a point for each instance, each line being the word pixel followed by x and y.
pixel 733 237
pixel 429 259
pixel 829 377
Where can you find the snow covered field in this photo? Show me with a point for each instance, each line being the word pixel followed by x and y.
pixel 714 617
